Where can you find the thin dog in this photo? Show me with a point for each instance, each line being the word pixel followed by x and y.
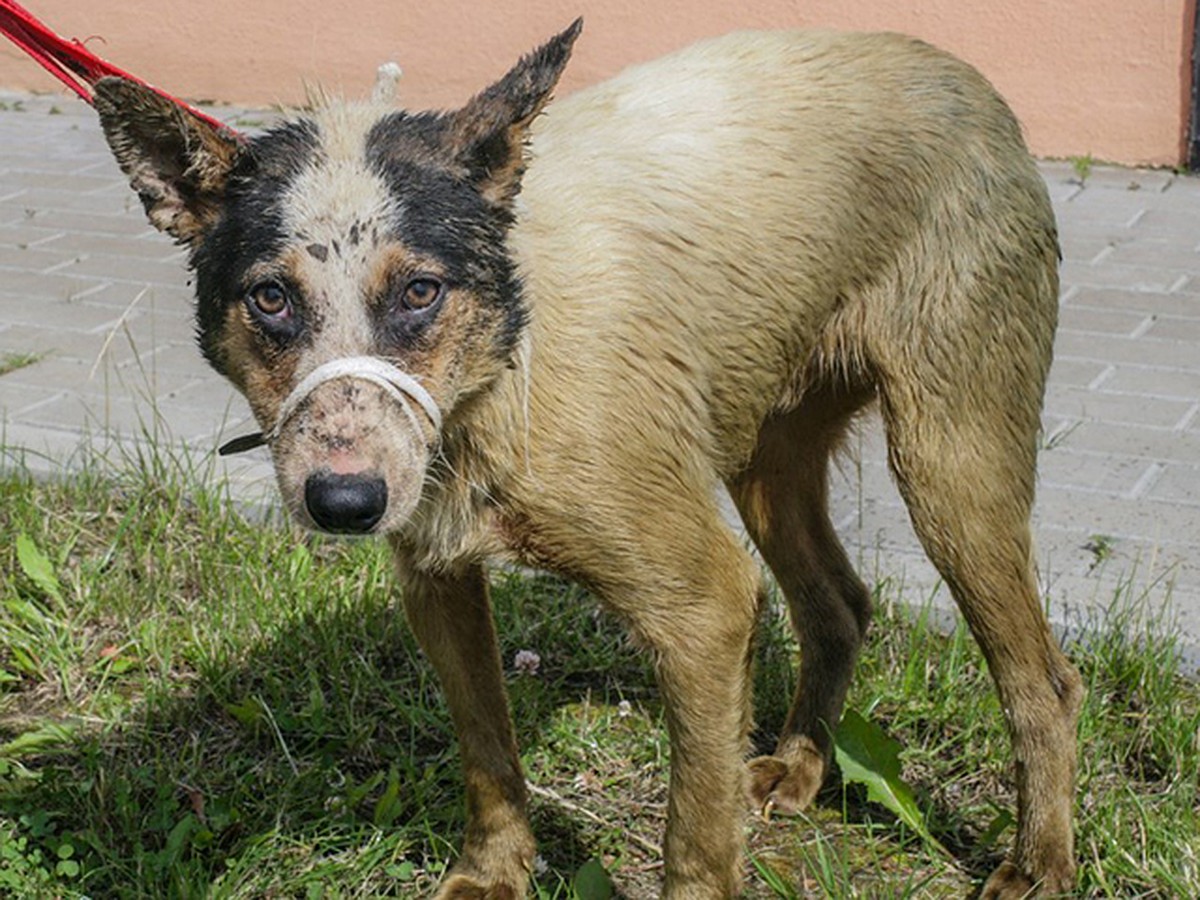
pixel 549 332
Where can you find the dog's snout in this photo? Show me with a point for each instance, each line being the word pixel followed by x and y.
pixel 345 504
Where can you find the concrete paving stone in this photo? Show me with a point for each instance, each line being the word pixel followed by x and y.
pixel 1097 565
pixel 100 381
pixel 1116 350
pixel 120 294
pixel 1176 328
pixel 1176 303
pixel 1129 180
pixel 1070 372
pixel 1103 208
pixel 1132 409
pixel 37 259
pixel 123 414
pixel 79 243
pixel 210 391
pixel 52 198
pixel 78 345
pixel 40 285
pixel 1173 220
pixel 1138 278
pixel 1140 441
pixel 147 324
pixel 1062 468
pixel 40 451
pixel 1163 522
pixel 17 398
pixel 99 393
pixel 1062 191
pixel 113 221
pixel 1189 285
pixel 1179 483
pixel 20 235
pixel 1176 251
pixel 122 268
pixel 1154 381
pixel 1084 248
pixel 1101 321
pixel 181 357
pixel 45 176
pixel 75 367
pixel 71 315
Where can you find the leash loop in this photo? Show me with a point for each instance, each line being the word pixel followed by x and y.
pixel 400 385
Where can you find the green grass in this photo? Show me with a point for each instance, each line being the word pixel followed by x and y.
pixel 194 703
pixel 11 362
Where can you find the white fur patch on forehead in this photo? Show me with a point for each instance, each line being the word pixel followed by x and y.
pixel 338 198
pixel 336 213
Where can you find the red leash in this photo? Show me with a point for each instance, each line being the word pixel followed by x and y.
pixel 71 62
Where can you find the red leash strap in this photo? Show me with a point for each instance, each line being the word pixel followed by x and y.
pixel 70 61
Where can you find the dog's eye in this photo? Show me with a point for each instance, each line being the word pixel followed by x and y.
pixel 269 301
pixel 421 293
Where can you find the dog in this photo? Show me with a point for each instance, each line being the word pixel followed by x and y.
pixel 549 332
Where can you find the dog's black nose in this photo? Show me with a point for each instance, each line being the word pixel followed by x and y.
pixel 345 504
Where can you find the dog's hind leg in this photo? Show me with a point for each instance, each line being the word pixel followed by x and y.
pixel 963 452
pixel 451 617
pixel 782 498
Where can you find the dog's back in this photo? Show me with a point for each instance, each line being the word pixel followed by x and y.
pixel 766 208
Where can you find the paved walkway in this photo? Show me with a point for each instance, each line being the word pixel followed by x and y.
pixel 103 301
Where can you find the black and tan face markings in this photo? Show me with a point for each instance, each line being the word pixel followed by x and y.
pixel 413 246
pixel 446 217
pixel 249 230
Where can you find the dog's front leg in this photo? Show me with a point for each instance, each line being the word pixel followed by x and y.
pixel 451 617
pixel 701 638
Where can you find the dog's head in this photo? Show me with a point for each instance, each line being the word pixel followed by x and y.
pixel 352 278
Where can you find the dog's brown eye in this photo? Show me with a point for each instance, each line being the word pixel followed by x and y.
pixel 421 293
pixel 270 300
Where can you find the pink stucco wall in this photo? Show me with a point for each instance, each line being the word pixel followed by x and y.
pixel 1105 77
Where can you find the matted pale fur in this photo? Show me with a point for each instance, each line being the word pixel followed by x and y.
pixel 336 192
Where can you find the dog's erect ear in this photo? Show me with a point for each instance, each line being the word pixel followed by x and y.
pixel 177 163
pixel 488 134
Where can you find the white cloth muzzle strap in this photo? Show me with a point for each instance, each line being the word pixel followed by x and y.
pixel 400 385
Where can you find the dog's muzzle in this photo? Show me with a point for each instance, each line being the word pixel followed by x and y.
pixel 400 385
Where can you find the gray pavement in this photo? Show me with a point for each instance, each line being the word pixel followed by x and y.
pixel 103 301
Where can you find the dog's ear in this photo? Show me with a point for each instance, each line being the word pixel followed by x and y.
pixel 488 134
pixel 177 163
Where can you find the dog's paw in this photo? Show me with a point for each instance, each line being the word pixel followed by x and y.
pixel 466 887
pixel 1008 882
pixel 789 781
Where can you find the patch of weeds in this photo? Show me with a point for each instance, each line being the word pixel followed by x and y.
pixel 1101 546
pixel 1082 166
pixel 11 362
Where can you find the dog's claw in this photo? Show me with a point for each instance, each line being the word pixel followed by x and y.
pixel 789 784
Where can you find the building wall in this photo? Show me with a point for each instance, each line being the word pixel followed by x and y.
pixel 1110 78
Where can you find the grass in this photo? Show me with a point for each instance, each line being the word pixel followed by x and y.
pixel 11 362
pixel 194 703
